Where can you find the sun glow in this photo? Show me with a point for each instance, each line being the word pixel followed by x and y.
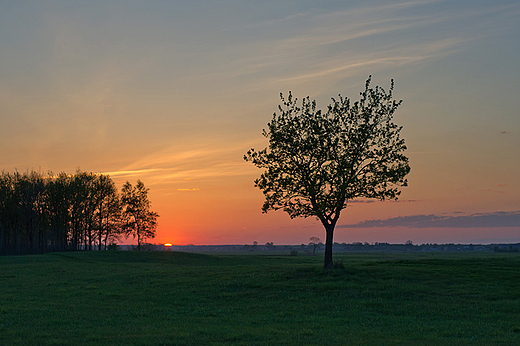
pixel 168 245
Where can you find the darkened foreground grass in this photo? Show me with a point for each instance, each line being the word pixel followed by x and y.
pixel 168 298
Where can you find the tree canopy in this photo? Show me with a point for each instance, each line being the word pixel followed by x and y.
pixel 138 220
pixel 316 162
pixel 41 213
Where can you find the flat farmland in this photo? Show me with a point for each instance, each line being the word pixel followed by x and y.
pixel 172 298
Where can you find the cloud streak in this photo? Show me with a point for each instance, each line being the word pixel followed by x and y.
pixel 201 161
pixel 131 172
pixel 329 47
pixel 480 220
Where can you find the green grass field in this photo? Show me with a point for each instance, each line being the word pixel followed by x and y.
pixel 168 298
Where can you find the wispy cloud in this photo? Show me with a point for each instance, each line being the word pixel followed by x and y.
pixel 332 46
pixel 131 172
pixel 198 161
pixel 363 22
pixel 365 201
pixel 480 220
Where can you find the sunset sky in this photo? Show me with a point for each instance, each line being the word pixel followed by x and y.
pixel 175 92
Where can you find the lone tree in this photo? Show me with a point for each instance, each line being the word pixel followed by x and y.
pixel 138 220
pixel 316 162
pixel 315 242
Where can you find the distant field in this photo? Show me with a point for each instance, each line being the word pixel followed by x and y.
pixel 170 298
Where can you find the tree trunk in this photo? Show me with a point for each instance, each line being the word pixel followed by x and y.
pixel 89 237
pixel 329 229
pixel 100 235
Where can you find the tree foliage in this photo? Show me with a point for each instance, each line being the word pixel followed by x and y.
pixel 42 213
pixel 316 162
pixel 138 220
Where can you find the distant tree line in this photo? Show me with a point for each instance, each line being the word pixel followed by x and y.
pixel 82 211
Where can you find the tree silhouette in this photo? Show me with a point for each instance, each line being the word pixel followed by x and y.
pixel 59 197
pixel 42 213
pixel 108 211
pixel 138 220
pixel 314 241
pixel 316 162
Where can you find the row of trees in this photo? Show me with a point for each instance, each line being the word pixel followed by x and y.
pixel 83 211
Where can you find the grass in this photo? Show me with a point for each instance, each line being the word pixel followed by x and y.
pixel 169 298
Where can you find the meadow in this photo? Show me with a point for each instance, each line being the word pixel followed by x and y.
pixel 172 298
